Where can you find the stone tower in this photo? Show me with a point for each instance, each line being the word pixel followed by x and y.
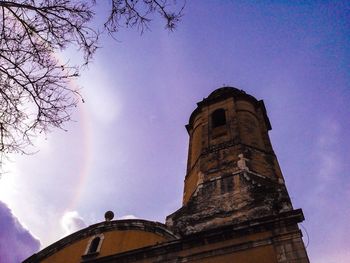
pixel 233 178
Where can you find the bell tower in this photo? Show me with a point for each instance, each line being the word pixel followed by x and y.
pixel 233 178
pixel 229 132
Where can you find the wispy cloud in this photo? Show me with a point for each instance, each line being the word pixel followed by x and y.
pixel 16 242
pixel 101 96
pixel 71 221
pixel 328 196
pixel 128 217
pixel 335 256
pixel 329 159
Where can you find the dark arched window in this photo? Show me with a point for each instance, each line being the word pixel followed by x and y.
pixel 218 118
pixel 94 245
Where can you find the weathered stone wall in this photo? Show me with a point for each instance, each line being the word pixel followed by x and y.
pixel 229 199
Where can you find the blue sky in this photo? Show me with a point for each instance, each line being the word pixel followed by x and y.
pixel 127 149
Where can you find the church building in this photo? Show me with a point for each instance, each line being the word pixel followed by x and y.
pixel 236 206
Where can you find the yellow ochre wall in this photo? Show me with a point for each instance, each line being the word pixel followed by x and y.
pixel 265 254
pixel 114 242
pixel 248 254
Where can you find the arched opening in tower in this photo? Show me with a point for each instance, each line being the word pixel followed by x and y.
pixel 218 118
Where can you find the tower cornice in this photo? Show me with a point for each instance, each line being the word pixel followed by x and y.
pixel 225 93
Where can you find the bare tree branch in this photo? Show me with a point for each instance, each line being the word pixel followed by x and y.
pixel 35 95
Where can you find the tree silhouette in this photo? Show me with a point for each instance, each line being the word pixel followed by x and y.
pixel 35 95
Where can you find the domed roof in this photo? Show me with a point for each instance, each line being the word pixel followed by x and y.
pixel 118 236
pixel 221 94
pixel 225 91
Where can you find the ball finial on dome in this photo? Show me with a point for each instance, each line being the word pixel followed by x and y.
pixel 109 215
